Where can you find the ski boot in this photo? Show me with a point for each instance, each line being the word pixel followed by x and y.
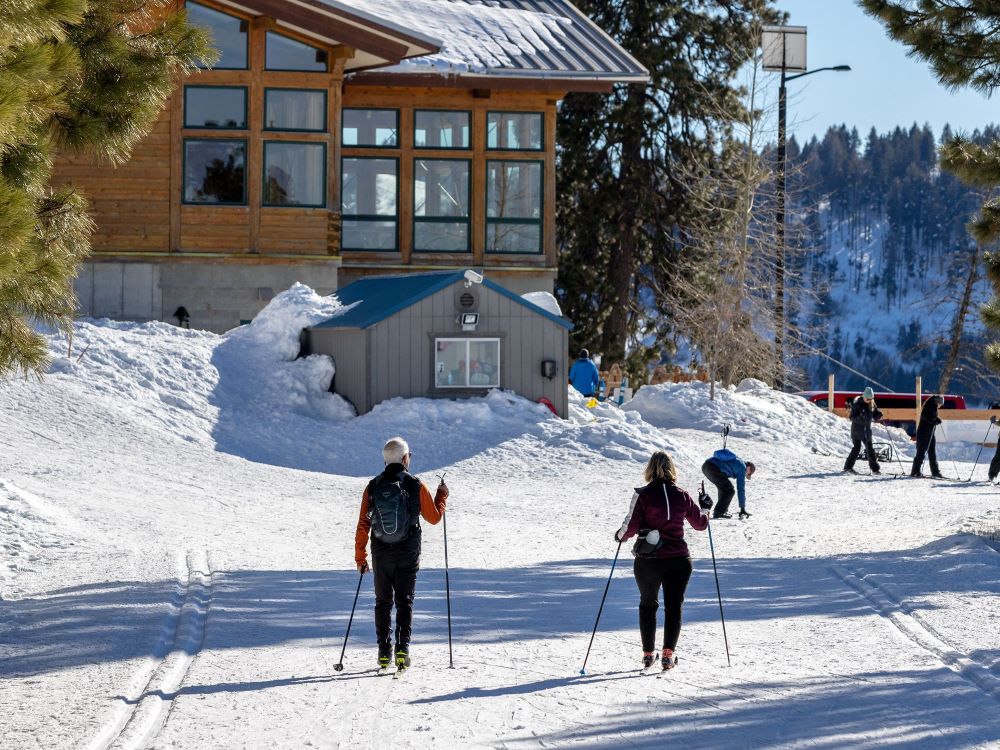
pixel 722 515
pixel 648 661
pixel 850 471
pixel 668 661
pixel 402 658
pixel 744 514
pixel 384 657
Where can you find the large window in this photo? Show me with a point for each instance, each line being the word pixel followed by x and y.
pixel 514 131
pixel 441 205
pixel 514 206
pixel 223 107
pixel 466 363
pixel 440 129
pixel 215 171
pixel 282 53
pixel 294 174
pixel 370 195
pixel 295 109
pixel 371 127
pixel 229 35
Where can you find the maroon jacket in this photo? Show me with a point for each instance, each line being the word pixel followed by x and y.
pixel 664 506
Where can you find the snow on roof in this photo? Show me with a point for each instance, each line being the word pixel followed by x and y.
pixel 546 38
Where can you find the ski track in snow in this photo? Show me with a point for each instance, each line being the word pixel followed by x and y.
pixel 859 611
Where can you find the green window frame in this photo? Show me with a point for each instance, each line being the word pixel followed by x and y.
pixel 346 113
pixel 199 87
pixel 498 116
pixel 497 222
pixel 468 128
pixel 320 65
pixel 265 192
pixel 188 142
pixel 368 218
pixel 274 89
pixel 442 218
pixel 207 13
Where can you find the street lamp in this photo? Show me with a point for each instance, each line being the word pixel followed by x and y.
pixel 784 49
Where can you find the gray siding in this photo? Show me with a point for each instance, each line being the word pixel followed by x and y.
pixel 348 348
pixel 402 349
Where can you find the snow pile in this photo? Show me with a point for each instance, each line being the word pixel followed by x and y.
pixel 545 301
pixel 474 37
pixel 753 410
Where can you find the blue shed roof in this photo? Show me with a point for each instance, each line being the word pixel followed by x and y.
pixel 376 298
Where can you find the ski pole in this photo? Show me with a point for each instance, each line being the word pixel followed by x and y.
pixel 981 446
pixel 583 669
pixel 719 592
pixel 447 585
pixel 888 436
pixel 339 666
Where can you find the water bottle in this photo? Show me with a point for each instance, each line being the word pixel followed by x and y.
pixel 602 389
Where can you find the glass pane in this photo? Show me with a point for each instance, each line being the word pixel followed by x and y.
pixel 513 238
pixel 441 129
pixel 370 127
pixel 294 174
pixel 449 363
pixel 484 363
pixel 514 130
pixel 361 234
pixel 369 187
pixel 441 236
pixel 215 107
pixel 514 190
pixel 214 171
pixel 441 188
pixel 229 34
pixel 283 53
pixel 288 109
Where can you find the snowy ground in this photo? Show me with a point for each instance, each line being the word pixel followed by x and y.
pixel 177 513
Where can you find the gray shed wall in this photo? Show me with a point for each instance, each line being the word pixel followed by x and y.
pixel 401 352
pixel 348 347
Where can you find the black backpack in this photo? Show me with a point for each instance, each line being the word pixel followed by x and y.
pixel 389 511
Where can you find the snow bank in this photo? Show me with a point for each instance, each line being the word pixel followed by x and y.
pixel 753 410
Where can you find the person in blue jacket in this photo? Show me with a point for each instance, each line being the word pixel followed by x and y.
pixel 723 466
pixel 583 374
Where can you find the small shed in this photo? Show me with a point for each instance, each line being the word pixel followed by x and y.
pixel 446 334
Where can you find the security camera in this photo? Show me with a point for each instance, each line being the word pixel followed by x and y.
pixel 471 277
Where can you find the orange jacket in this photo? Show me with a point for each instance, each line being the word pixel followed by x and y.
pixel 431 508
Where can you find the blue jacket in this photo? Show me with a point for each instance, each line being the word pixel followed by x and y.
pixel 733 467
pixel 584 377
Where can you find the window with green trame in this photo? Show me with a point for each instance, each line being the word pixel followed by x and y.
pixel 374 128
pixel 294 174
pixel 370 203
pixel 301 110
pixel 441 190
pixel 441 129
pixel 514 131
pixel 284 53
pixel 229 35
pixel 215 171
pixel 514 206
pixel 222 107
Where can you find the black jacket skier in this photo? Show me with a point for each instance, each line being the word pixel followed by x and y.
pixel 926 442
pixel 863 411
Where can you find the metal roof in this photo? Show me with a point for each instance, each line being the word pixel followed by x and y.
pixel 526 39
pixel 375 298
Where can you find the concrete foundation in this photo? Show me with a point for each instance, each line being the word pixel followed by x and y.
pixel 217 296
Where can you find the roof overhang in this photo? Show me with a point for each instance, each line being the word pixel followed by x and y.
pixel 376 41
pixel 514 81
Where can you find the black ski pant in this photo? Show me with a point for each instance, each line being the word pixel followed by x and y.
pixel 722 483
pixel 856 451
pixel 995 463
pixel 672 575
pixel 395 573
pixel 926 444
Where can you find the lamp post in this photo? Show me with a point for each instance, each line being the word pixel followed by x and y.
pixel 784 49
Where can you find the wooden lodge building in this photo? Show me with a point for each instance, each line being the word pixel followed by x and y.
pixel 337 139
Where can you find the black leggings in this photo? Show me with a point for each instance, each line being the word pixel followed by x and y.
pixel 672 575
pixel 395 581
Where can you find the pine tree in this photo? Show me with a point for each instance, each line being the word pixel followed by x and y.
pixel 621 201
pixel 76 75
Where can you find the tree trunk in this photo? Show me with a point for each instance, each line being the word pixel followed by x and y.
pixel 958 325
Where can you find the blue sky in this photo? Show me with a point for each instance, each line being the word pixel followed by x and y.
pixel 885 88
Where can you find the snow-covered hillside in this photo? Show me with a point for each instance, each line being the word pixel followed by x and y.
pixel 177 514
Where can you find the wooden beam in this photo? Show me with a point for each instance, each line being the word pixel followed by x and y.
pixel 906 415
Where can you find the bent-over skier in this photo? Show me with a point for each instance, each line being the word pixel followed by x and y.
pixel 719 469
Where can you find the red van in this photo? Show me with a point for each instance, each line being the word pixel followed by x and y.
pixel 843 399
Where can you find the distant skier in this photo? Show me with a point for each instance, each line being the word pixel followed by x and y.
pixel 719 469
pixel 583 375
pixel 657 514
pixel 926 442
pixel 863 411
pixel 391 507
